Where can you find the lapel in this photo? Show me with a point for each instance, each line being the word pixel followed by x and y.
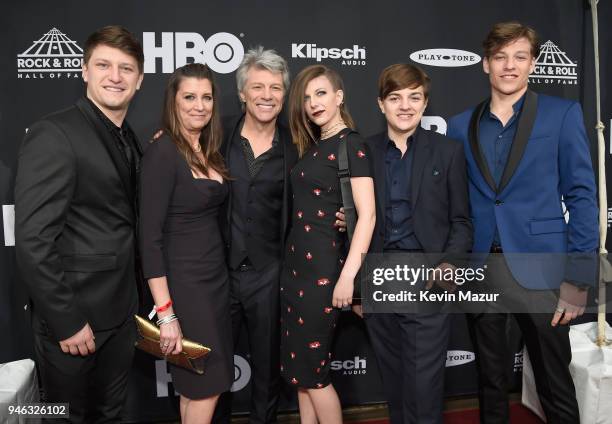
pixel 109 143
pixel 226 149
pixel 473 136
pixel 380 175
pixel 420 157
pixel 289 160
pixel 523 131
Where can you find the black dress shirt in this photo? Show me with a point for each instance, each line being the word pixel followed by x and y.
pixel 399 225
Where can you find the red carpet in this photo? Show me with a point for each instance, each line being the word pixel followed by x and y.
pixel 518 415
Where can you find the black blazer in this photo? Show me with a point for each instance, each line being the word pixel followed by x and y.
pixel 74 223
pixel 440 202
pixel 290 157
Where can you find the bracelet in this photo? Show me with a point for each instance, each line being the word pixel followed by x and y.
pixel 164 307
pixel 166 320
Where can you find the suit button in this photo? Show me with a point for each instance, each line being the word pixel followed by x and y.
pixel 249 220
pixel 498 203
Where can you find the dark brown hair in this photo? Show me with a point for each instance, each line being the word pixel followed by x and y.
pixel 211 136
pixel 303 131
pixel 118 37
pixel 402 75
pixel 506 32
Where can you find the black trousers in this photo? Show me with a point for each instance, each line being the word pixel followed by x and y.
pixel 95 386
pixel 254 302
pixel 549 350
pixel 411 355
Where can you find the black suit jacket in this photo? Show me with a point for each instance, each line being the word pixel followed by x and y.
pixel 440 203
pixel 290 157
pixel 74 223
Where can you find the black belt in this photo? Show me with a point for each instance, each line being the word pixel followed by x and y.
pixel 496 249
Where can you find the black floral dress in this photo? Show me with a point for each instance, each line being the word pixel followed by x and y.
pixel 314 259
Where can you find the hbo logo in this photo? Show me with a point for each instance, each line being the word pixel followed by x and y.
pixel 222 52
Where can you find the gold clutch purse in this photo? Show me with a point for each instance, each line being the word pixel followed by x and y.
pixel 192 357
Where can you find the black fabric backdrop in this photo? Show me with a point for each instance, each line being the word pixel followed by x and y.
pixel 35 81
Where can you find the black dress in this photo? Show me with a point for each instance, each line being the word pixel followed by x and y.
pixel 181 239
pixel 313 260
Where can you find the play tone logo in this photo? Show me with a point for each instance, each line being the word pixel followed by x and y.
pixel 459 357
pixel 554 67
pixel 53 56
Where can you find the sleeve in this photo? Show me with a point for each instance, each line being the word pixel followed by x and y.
pixel 461 232
pixel 577 183
pixel 157 182
pixel 359 156
pixel 44 188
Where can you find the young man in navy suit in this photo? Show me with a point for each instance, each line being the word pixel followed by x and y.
pixel 525 152
pixel 422 206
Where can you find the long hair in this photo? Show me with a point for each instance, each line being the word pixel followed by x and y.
pixel 304 132
pixel 211 136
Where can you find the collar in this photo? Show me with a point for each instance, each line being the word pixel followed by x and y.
pixel 107 122
pixel 516 107
pixel 275 138
pixel 411 139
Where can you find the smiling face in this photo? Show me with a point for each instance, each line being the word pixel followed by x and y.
pixel 509 68
pixel 194 104
pixel 112 78
pixel 403 110
pixel 322 102
pixel 263 95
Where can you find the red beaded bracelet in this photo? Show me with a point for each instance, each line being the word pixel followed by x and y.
pixel 163 308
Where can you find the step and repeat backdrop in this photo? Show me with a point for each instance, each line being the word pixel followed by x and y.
pixel 41 44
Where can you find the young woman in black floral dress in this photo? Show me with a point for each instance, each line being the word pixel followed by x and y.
pixel 317 278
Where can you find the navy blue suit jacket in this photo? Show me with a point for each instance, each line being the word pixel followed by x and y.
pixel 549 160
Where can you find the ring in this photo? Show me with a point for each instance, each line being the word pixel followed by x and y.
pixel 560 310
pixel 166 344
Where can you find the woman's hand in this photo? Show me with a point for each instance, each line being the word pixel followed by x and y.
pixel 171 338
pixel 343 293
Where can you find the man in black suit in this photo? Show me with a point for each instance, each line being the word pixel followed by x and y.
pixel 259 155
pixel 422 206
pixel 75 214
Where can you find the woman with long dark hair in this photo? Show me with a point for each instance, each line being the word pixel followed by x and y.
pixel 182 189
pixel 317 278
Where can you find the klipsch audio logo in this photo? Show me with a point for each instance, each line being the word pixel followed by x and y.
pixel 554 67
pixel 459 357
pixel 449 58
pixel 354 55
pixel 54 55
pixel 222 51
pixel 350 366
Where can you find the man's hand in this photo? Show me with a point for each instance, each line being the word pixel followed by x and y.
pixel 340 222
pixel 572 301
pixel 81 343
pixel 449 286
